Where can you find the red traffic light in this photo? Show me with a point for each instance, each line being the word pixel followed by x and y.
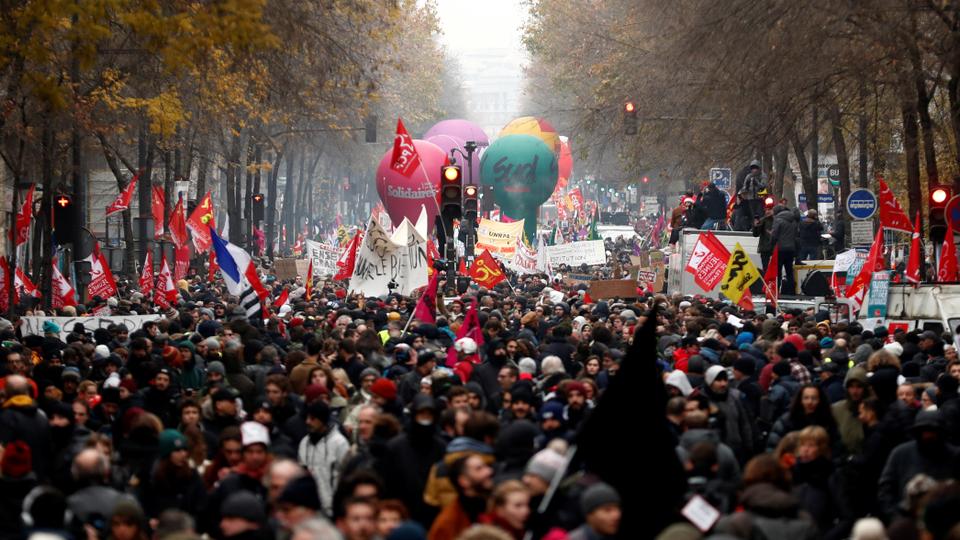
pixel 646 179
pixel 451 173
pixel 939 195
pixel 768 202
pixel 470 191
pixel 63 201
pixel 629 107
pixel 258 197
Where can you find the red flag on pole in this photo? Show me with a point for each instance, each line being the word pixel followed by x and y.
pixel 348 258
pixel 874 263
pixel 146 276
pixel 892 215
pixel 164 293
pixel 181 262
pixel 178 226
pixel 708 261
pixel 23 218
pixel 471 325
pixel 63 293
pixel 308 281
pixel 156 208
pixel 102 283
pixel 122 201
pixel 485 271
pixel 405 158
pixel 282 299
pixel 947 271
pixel 427 305
pixel 913 263
pixel 22 283
pixel 200 222
pixel 212 274
pixel 770 288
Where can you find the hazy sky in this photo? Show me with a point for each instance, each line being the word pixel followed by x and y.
pixel 471 25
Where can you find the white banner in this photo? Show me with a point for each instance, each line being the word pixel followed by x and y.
pixel 524 261
pixel 843 260
pixel 324 258
pixel 382 261
pixel 590 253
pixel 499 238
pixel 33 326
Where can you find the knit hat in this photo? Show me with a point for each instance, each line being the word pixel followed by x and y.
pixel 794 339
pixel 101 352
pixel 245 505
pixel 129 384
pixel 301 491
pixel 171 440
pixel 171 355
pixel 787 350
pixel 408 530
pixel 369 372
pixel 223 394
pixel 551 410
pixel 50 327
pixel 314 391
pixel 545 464
pixel 384 388
pixel 744 338
pixel 895 348
pixel 319 410
pixel 17 460
pixel 70 372
pixel 596 496
pixel 826 342
pixel 745 366
pixel 217 367
pixel 254 433
pixel 466 345
pixel 713 372
pixel 208 328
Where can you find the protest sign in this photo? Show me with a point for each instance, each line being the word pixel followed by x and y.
pixel 613 288
pixel 386 264
pixel 324 258
pixel 33 326
pixel 590 252
pixel 500 239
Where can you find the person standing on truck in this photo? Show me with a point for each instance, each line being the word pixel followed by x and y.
pixel 677 218
pixel 809 237
pixel 762 229
pixel 752 185
pixel 784 235
pixel 713 205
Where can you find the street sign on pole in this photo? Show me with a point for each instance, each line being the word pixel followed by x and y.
pixel 862 204
pixel 861 232
pixel 951 213
pixel 721 178
pixel 833 174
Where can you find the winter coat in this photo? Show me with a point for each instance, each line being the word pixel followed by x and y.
pixel 834 388
pixel 810 231
pixel 93 500
pixel 166 491
pixel 20 419
pixel 785 424
pixel 12 493
pixel 439 490
pixel 905 462
pixel 784 233
pixel 323 459
pixel 813 487
pixel 410 456
pixel 486 374
pixel 763 229
pixel 774 513
pixel 849 425
pixel 562 348
pixel 728 468
pixel 714 204
pixel 737 428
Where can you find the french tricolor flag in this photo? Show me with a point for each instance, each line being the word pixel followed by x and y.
pixel 240 274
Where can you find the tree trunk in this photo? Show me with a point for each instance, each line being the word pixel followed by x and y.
pixel 809 184
pixel 247 198
pixel 233 199
pixel 202 167
pixel 814 158
pixel 167 189
pixel 288 204
pixel 271 204
pixel 926 129
pixel 843 163
pixel 781 171
pixel 912 154
pixel 130 257
pixel 46 246
pixel 298 214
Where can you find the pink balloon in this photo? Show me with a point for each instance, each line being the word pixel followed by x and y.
pixel 449 142
pixel 402 197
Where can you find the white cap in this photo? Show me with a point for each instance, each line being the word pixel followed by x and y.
pixel 466 345
pixel 894 348
pixel 254 433
pixel 685 304
pixel 285 310
pixel 711 374
pixel 113 381
pixel 112 301
pixel 101 352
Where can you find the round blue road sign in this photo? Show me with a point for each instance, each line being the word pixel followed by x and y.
pixel 861 204
pixel 951 212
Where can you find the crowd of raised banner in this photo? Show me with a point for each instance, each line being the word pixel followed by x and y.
pixel 372 398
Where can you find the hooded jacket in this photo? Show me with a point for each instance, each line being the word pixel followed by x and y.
pixel 848 422
pixel 728 467
pixel 322 458
pixel 775 513
pixel 679 380
pixel 784 233
pixel 20 419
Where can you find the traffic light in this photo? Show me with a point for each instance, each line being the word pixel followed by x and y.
pixel 451 192
pixel 64 219
pixel 629 118
pixel 470 203
pixel 939 196
pixel 257 199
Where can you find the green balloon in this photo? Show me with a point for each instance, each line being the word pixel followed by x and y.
pixel 523 172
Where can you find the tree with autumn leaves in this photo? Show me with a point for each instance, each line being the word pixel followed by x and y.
pixel 230 91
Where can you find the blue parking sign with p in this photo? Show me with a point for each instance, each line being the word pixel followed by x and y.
pixel 721 178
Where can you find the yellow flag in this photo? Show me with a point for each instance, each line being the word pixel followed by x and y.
pixel 740 274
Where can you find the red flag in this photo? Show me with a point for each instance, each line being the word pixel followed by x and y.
pixel 164 293
pixel 948 258
pixel 746 301
pixel 254 279
pixel 913 263
pixel 212 275
pixel 427 305
pixel 146 275
pixel 181 262
pixel 485 271
pixel 471 325
pixel 586 298
pixel 770 288
pixel 405 158
pixel 178 227
pixel 874 263
pixel 63 293
pixel 5 285
pixel 23 218
pixel 123 199
pixel 462 269
pixel 200 222
pixel 102 283
pixel 892 215
pixel 298 246
pixel 708 261
pixel 282 299
pixel 348 258
pixel 156 208
pixel 22 283
pixel 308 282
